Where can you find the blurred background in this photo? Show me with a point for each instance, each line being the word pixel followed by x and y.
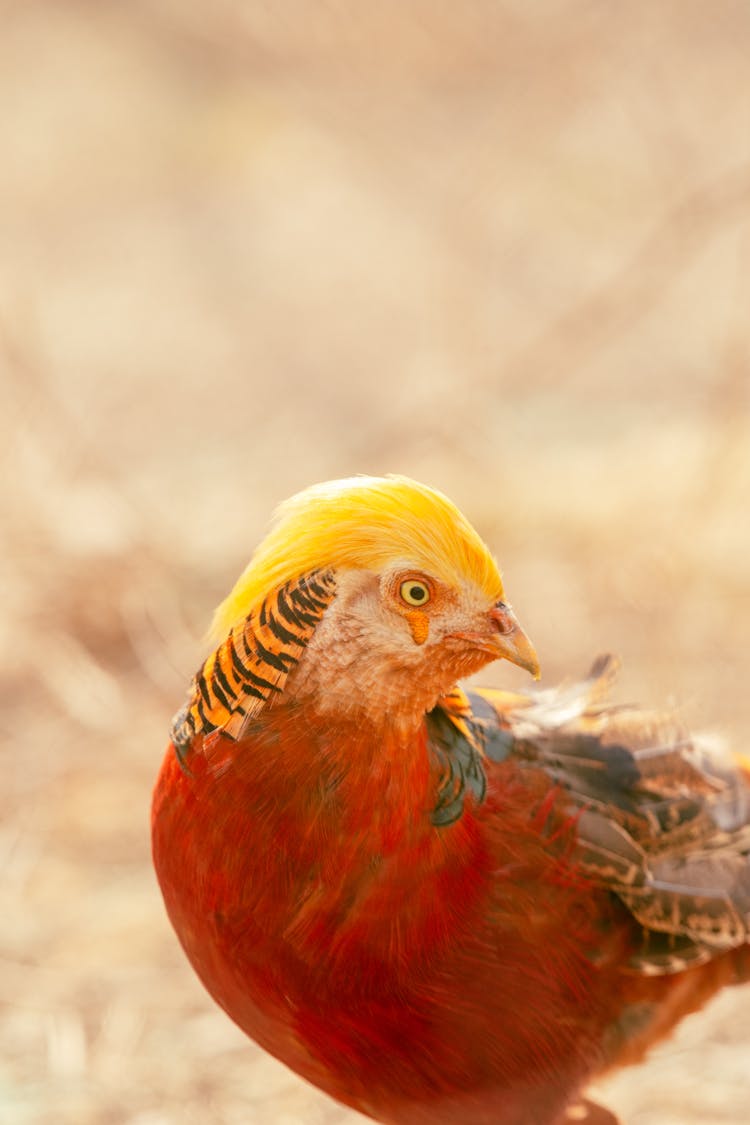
pixel 502 247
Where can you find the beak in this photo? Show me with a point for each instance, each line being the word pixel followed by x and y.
pixel 511 641
pixel 505 639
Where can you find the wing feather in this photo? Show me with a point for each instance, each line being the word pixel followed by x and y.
pixel 663 818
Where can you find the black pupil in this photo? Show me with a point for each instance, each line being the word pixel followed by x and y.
pixel 417 593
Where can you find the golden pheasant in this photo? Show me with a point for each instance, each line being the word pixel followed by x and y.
pixel 439 906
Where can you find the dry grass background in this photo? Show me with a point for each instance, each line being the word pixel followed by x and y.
pixel 501 246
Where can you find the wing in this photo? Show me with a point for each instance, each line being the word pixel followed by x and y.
pixel 663 818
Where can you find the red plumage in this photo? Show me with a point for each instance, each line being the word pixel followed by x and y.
pixel 442 921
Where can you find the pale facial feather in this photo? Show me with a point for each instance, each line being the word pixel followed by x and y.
pixel 363 662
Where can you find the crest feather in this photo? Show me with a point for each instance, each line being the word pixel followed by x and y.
pixel 363 523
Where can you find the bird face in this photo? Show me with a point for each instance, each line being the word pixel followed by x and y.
pixel 418 599
pixel 391 643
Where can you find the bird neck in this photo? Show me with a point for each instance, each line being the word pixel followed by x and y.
pixel 369 698
pixel 343 779
pixel 376 777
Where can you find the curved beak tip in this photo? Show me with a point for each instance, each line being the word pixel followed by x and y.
pixel 522 653
pixel 512 643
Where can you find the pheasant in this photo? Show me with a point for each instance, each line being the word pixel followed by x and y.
pixel 437 904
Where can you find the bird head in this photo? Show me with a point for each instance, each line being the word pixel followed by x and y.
pixel 419 601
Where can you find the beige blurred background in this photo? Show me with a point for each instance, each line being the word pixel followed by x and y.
pixel 501 246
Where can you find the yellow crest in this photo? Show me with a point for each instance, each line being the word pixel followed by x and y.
pixel 364 523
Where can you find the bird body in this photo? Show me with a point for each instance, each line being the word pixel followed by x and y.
pixel 437 906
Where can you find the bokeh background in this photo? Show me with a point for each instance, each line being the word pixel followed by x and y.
pixel 501 246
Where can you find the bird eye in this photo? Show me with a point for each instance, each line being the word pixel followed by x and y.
pixel 414 592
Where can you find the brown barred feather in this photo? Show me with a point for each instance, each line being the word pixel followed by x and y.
pixel 663 819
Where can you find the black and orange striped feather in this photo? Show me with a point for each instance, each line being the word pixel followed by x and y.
pixel 251 665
